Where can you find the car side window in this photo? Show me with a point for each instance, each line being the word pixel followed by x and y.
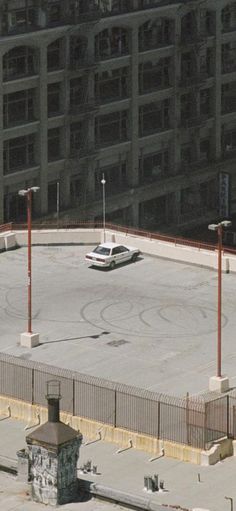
pixel 123 249
pixel 116 250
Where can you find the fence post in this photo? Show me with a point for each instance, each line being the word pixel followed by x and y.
pixel 32 382
pixel 115 405
pixel 73 398
pixel 158 418
pixel 205 424
pixel 228 412
pixel 187 417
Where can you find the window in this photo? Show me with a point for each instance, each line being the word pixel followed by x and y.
pixel 18 108
pixel 54 147
pixel 18 153
pixel 53 55
pixel 153 34
pixel 153 76
pixel 111 128
pixel 111 85
pixel 153 166
pixel 78 91
pixel 53 99
pixel 206 102
pixel 229 142
pixel 19 62
pixel 115 176
pixel 54 12
pixel 22 18
pixel 205 148
pixel 111 42
pixel 78 51
pixel 228 97
pixel 154 117
pixel 78 138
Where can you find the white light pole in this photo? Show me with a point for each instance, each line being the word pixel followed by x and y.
pixel 28 339
pixel 103 182
pixel 219 382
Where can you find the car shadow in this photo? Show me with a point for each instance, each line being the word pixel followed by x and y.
pixel 117 266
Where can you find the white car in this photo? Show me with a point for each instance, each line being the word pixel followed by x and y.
pixel 108 255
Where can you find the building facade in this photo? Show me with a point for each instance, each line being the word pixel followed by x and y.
pixel 142 91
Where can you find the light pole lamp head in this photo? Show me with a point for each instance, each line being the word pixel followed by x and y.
pixel 22 192
pixel 213 227
pixel 35 188
pixel 103 181
pixel 226 223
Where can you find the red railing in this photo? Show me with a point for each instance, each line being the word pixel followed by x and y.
pixel 75 224
pixel 6 227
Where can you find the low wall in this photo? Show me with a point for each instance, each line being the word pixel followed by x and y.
pixel 34 415
pixel 180 253
pixel 60 237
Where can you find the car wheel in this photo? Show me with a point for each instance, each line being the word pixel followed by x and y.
pixel 134 258
pixel 112 265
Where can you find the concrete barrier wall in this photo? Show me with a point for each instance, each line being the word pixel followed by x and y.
pixel 158 248
pixel 61 237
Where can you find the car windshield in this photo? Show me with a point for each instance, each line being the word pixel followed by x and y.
pixel 102 250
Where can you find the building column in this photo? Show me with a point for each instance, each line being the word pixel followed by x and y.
pixel 65 175
pixel 133 164
pixel 217 106
pixel 175 156
pixel 1 146
pixel 43 141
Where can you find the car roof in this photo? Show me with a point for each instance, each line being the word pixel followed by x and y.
pixel 110 244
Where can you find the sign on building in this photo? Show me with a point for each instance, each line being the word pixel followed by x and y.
pixel 224 195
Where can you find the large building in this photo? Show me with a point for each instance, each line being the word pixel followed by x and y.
pixel 142 91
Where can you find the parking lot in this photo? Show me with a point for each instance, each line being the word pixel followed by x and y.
pixel 152 324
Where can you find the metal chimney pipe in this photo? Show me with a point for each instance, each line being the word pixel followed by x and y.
pixel 53 398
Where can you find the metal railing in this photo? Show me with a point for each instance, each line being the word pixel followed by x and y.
pixel 190 421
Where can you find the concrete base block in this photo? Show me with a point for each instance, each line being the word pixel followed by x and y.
pixel 29 340
pixel 219 383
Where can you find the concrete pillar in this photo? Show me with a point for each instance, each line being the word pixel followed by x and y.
pixel 133 167
pixel 65 175
pixel 1 146
pixel 135 214
pixel 217 98
pixel 175 156
pixel 43 143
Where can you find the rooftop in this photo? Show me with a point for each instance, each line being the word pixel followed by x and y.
pixel 152 324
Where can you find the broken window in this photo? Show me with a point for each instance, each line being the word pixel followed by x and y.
pixel 111 128
pixel 153 166
pixel 228 97
pixel 153 212
pixel 53 99
pixel 153 34
pixel 111 85
pixel 111 42
pixel 54 145
pixel 18 107
pixel 19 62
pixel 154 117
pixel 54 55
pixel 115 176
pixel 18 153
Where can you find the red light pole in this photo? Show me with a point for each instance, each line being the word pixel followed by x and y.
pixel 219 228
pixel 28 194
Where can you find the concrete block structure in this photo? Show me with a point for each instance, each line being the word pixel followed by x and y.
pixel 142 91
